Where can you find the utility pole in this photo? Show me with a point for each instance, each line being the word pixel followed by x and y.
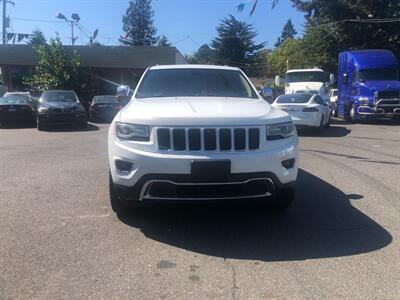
pixel 5 19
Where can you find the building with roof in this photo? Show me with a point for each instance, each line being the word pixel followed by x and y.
pixel 104 67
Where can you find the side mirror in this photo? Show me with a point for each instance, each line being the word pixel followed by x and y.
pixel 277 80
pixel 332 78
pixel 345 78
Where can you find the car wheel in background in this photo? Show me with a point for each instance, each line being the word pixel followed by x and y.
pixel 321 124
pixel 334 110
pixel 83 124
pixel 328 124
pixel 40 125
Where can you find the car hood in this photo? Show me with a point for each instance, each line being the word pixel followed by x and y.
pixel 199 111
pixel 382 85
pixel 294 86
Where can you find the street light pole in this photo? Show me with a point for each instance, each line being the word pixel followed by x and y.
pixel 4 21
pixel 74 20
pixel 72 33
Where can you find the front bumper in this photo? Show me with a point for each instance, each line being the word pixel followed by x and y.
pixel 382 108
pixel 182 187
pixel 61 118
pixel 175 170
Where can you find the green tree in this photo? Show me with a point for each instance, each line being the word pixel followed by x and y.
pixel 235 43
pixel 54 69
pixel 334 26
pixel 37 37
pixel 288 32
pixel 291 54
pixel 163 42
pixel 204 56
pixel 138 24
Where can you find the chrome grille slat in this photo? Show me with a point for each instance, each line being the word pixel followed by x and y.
pixel 219 139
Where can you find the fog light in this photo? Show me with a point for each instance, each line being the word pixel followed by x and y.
pixel 289 163
pixel 123 165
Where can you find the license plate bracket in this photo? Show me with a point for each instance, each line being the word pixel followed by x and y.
pixel 211 169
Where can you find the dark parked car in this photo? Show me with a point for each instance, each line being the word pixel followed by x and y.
pixel 60 107
pixel 16 109
pixel 104 108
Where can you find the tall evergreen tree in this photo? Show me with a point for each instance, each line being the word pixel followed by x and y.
pixel 138 24
pixel 235 43
pixel 37 37
pixel 288 32
pixel 163 42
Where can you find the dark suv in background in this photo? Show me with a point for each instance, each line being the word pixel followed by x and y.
pixel 60 107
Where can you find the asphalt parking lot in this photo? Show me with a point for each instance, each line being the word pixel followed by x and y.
pixel 60 239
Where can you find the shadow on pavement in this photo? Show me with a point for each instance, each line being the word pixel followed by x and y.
pixel 321 223
pixel 68 128
pixel 332 131
pixel 17 125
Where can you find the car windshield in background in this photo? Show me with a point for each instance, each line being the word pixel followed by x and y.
pixel 195 83
pixel 377 74
pixel 314 92
pixel 13 100
pixel 294 98
pixel 59 96
pixel 105 99
pixel 311 76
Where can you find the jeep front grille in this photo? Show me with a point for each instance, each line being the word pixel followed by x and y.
pixel 208 139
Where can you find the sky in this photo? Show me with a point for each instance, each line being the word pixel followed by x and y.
pixel 187 23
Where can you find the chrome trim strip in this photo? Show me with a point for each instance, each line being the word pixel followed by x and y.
pixel 205 199
pixel 146 187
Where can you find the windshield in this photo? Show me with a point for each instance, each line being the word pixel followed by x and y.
pixel 310 76
pixel 13 100
pixel 105 99
pixel 294 98
pixel 377 74
pixel 59 96
pixel 194 83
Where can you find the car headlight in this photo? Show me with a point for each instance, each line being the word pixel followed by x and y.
pixel 280 131
pixel 132 132
pixel 43 109
pixel 363 101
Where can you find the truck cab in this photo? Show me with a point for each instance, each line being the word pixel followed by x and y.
pixel 368 85
pixel 314 81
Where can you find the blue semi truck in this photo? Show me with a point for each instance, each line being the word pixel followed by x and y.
pixel 368 85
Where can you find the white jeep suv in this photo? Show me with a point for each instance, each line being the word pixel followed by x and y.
pixel 197 133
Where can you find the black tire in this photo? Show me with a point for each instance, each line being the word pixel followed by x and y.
pixel 334 110
pixel 116 201
pixel 40 125
pixel 351 116
pixel 83 124
pixel 328 124
pixel 284 198
pixel 321 125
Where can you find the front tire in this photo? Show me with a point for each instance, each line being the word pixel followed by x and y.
pixel 116 201
pixel 284 198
